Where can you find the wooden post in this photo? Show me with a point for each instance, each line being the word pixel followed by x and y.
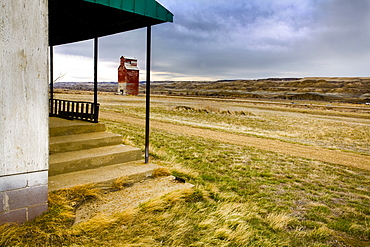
pixel 147 115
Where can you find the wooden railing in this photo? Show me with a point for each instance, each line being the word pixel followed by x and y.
pixel 68 109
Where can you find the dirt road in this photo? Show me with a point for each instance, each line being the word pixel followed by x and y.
pixel 308 152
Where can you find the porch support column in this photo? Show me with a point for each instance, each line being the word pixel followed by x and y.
pixel 96 106
pixel 51 80
pixel 95 71
pixel 147 115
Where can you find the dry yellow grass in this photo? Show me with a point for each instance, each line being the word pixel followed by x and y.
pixel 244 196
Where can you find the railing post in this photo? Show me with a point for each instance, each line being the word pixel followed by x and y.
pixel 50 107
pixel 87 111
pixel 59 106
pixel 73 109
pixel 68 112
pixel 96 113
pixel 83 110
pixel 78 106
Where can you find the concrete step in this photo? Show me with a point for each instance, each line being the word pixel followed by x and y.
pixel 91 158
pixel 60 127
pixel 104 177
pixel 68 143
pixel 129 197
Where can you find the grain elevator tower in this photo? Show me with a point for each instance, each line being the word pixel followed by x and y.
pixel 128 76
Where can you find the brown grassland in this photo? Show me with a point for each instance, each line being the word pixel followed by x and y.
pixel 264 174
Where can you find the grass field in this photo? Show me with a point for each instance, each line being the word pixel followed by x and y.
pixel 243 196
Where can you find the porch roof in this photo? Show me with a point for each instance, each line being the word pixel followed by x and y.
pixel 77 20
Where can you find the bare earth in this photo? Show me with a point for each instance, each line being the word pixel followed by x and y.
pixel 308 152
pixel 131 197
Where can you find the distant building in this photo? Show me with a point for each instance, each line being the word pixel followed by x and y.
pixel 128 76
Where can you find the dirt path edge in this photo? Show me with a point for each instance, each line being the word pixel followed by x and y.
pixel 308 152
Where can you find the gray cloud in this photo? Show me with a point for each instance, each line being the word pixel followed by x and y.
pixel 227 39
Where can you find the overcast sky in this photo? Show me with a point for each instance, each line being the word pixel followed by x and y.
pixel 236 39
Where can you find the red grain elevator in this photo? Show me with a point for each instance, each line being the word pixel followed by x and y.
pixel 128 76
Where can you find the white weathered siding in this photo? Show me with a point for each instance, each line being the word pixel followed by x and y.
pixel 23 86
pixel 23 109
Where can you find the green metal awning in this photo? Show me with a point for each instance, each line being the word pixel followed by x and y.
pixel 77 20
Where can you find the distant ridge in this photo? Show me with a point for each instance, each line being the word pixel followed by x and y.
pixel 87 86
pixel 343 89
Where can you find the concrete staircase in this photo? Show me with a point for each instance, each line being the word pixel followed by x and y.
pixel 77 145
pixel 84 153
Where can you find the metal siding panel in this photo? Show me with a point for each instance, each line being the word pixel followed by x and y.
pixel 158 10
pixel 128 5
pixel 116 4
pixel 169 17
pixel 151 9
pixel 140 6
pixel 164 14
pixel 161 13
